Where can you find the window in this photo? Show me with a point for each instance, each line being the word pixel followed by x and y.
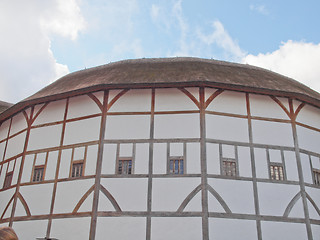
pixel 38 174
pixel 229 167
pixel 276 172
pixel 316 177
pixel 125 166
pixel 176 165
pixel 77 169
pixel 8 180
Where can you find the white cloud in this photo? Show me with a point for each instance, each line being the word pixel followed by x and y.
pixel 298 60
pixel 222 39
pixel 259 8
pixel 154 12
pixel 26 61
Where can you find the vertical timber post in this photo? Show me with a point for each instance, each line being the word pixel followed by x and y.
pixel 204 180
pixel 94 216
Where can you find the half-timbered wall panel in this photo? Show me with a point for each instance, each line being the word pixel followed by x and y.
pixel 38 198
pixel 244 161
pixel 16 170
pixel 51 113
pixel 177 126
pixel 141 159
pixel 213 158
pixel 309 115
pixel 291 166
pixel 3 171
pixel 306 168
pixel 233 189
pixel 283 230
pixel 45 137
pixel 272 133
pixel 308 139
pixel 269 195
pixel 5 197
pixel 193 164
pixel 170 228
pixel 91 161
pixel 124 228
pixel 123 189
pixel 226 128
pixel 4 128
pixel 82 131
pixel 31 229
pixel 264 106
pixel 133 101
pixel 230 229
pixel 159 158
pixel 65 164
pixel 71 228
pixel 128 127
pixel 70 193
pixel 229 102
pixel 51 166
pixel 314 194
pixel 2 148
pixel 172 99
pixel 109 159
pixel 18 123
pixel 27 168
pixel 82 106
pixel 15 145
pixel 261 162
pixel 169 193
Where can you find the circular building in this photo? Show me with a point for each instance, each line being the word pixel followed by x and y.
pixel 154 149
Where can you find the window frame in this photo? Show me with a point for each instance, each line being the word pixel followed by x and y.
pixel 224 170
pixel 78 162
pixel 35 168
pixel 316 176
pixel 124 159
pixel 279 165
pixel 180 159
pixel 9 175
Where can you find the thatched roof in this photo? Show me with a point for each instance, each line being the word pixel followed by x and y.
pixel 171 72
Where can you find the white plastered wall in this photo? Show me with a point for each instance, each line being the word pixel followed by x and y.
pixel 229 190
pixel 264 106
pixel 53 112
pixel 130 193
pixel 173 228
pixel 169 193
pixel 82 131
pixel 227 128
pixel 280 231
pixel 15 145
pixel 82 106
pixel 135 100
pixel 229 102
pixel 38 198
pixel 70 193
pixel 269 195
pixel 177 126
pixel 44 137
pixel 172 99
pixel 71 228
pixel 231 229
pixel 30 229
pixel 128 127
pixel 272 133
pixel 124 228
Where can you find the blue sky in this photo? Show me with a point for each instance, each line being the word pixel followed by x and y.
pixel 44 40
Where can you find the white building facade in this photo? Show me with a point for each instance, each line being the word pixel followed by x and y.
pixel 163 159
